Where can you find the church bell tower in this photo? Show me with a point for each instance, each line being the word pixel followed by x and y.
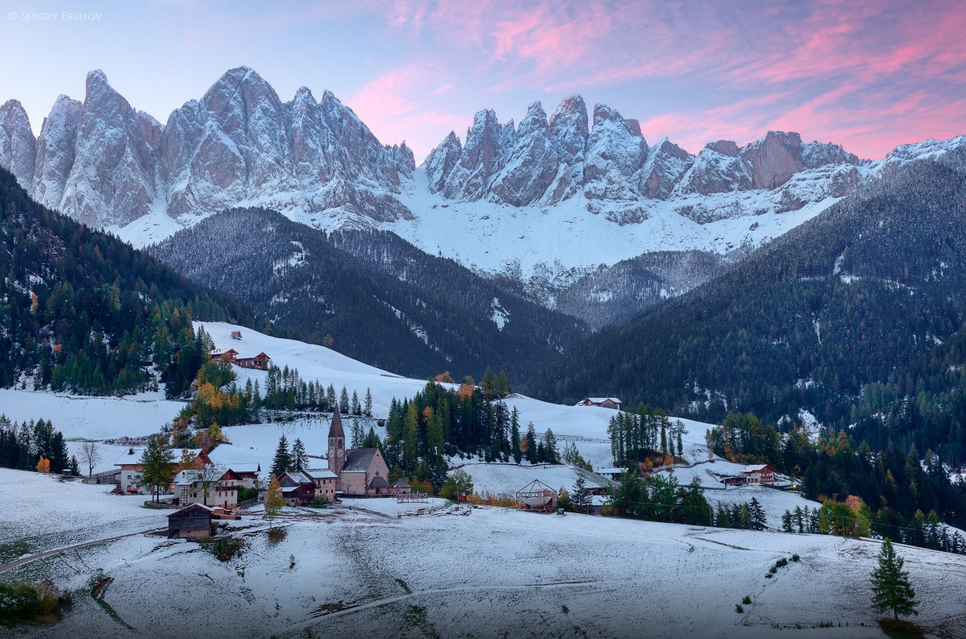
pixel 336 443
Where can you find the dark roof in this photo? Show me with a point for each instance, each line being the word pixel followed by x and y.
pixel 357 460
pixel 378 482
pixel 335 429
pixel 183 511
pixel 400 483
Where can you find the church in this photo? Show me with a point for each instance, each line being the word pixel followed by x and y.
pixel 361 471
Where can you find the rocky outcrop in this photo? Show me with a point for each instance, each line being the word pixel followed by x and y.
pixel 55 152
pixel 18 147
pixel 105 163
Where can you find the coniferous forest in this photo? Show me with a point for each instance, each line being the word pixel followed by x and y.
pixel 82 311
pixel 856 317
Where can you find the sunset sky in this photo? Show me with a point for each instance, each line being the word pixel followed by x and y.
pixel 866 74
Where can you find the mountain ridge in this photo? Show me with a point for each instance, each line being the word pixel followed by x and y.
pixel 548 201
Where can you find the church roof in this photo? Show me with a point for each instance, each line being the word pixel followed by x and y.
pixel 335 429
pixel 358 460
pixel 378 482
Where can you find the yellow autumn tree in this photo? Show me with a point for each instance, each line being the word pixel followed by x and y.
pixel 273 500
pixel 43 465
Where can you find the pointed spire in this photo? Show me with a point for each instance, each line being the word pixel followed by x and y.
pixel 335 429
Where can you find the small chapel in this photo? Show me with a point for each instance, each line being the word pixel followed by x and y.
pixel 361 471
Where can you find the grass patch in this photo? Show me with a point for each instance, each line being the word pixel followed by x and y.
pixel 13 550
pixel 98 584
pixel 901 629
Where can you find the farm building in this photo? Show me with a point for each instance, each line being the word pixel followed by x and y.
pixel 603 402
pixel 193 522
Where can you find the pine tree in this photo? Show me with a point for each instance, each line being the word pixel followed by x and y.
pixel 157 465
pixel 344 401
pixel 356 406
pixel 282 460
pixel 300 460
pixel 891 589
pixel 581 496
pixel 368 405
pixel 515 436
pixel 757 514
pixel 550 447
pixel 531 441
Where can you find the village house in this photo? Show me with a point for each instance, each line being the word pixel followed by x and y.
pixel 325 483
pixel 298 489
pixel 130 469
pixel 759 474
pixel 361 471
pixel 603 402
pixel 189 488
pixel 259 362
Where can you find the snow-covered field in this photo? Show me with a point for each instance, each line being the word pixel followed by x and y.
pixel 483 572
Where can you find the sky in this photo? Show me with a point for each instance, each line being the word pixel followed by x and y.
pixel 867 74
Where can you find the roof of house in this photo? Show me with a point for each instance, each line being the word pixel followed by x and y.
pixel 321 473
pixel 187 508
pixel 400 483
pixel 754 468
pixel 610 471
pixel 335 429
pixel 358 460
pixel 299 477
pixel 378 482
pixel 601 400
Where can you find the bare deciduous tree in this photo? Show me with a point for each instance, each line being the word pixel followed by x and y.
pixel 90 455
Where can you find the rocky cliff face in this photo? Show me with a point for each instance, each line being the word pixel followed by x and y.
pixel 107 164
pixel 547 161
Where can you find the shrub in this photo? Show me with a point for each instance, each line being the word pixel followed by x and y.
pixel 795 557
pixel 738 608
pixel 275 535
pixel 781 563
pixel 30 602
pixel 224 548
pixel 746 600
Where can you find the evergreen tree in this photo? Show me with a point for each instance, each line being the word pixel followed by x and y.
pixel 282 460
pixel 515 436
pixel 344 402
pixel 580 496
pixel 550 454
pixel 300 460
pixel 157 465
pixel 757 514
pixel 891 589
pixel 356 406
pixel 367 409
pixel 531 442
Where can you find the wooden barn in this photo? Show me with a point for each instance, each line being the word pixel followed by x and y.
pixel 260 362
pixel 602 402
pixel 193 522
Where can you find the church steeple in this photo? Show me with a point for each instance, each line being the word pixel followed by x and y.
pixel 336 443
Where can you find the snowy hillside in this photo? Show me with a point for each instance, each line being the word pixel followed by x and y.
pixel 488 573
